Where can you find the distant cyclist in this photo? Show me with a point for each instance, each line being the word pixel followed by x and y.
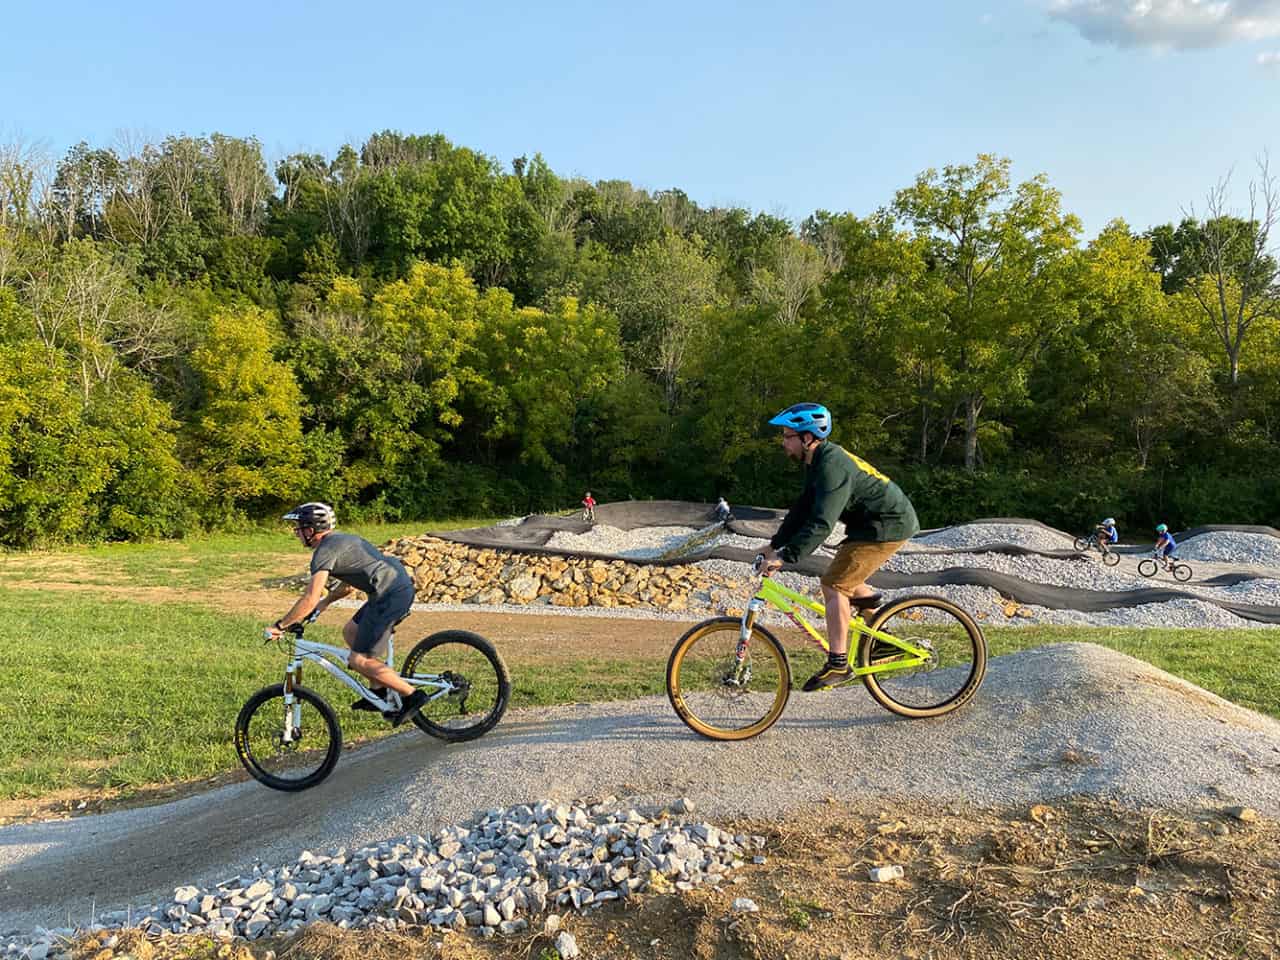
pixel 589 508
pixel 1107 533
pixel 723 513
pixel 360 566
pixel 1166 547
pixel 878 520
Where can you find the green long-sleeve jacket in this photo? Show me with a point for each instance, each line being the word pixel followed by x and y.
pixel 840 486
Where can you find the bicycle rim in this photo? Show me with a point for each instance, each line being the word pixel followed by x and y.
pixel 288 747
pixel 1182 573
pixel 1147 568
pixel 717 696
pixel 951 673
pixel 479 687
pixel 1111 559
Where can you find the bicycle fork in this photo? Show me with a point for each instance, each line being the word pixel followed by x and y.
pixel 742 653
pixel 292 705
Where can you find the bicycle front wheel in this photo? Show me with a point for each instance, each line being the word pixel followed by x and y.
pixel 1081 544
pixel 288 746
pixel 1147 567
pixel 951 672
pixel 467 681
pixel 1181 572
pixel 720 696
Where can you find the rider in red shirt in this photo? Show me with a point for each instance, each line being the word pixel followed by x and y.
pixel 589 507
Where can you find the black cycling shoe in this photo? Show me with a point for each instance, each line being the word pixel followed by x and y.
pixel 412 704
pixel 867 603
pixel 363 704
pixel 829 676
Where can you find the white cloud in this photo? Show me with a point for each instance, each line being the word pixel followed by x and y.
pixel 1180 24
pixel 1271 60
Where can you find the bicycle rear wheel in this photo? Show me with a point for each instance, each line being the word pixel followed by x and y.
pixel 288 746
pixel 478 685
pixel 1181 572
pixel 1110 558
pixel 1147 567
pixel 715 694
pixel 949 676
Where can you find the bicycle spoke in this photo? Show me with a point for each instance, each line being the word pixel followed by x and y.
pixel 950 672
pixel 287 747
pixel 466 681
pixel 719 694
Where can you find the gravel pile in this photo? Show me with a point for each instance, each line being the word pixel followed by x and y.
pixel 490 875
pixel 983 534
pixel 1226 546
pixel 645 543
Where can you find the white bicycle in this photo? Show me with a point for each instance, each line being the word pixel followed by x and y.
pixel 288 736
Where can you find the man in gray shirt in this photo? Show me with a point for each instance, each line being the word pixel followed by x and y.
pixel 360 566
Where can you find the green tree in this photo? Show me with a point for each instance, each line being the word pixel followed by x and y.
pixel 996 282
pixel 245 431
pixel 660 293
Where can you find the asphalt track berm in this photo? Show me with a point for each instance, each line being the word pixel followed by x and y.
pixel 532 533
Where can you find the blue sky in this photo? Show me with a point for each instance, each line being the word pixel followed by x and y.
pixel 1133 108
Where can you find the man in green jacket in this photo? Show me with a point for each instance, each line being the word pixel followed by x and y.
pixel 877 516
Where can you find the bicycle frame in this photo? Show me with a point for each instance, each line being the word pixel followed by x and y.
pixel 325 655
pixel 789 602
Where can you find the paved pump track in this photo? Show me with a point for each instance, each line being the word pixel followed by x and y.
pixel 533 533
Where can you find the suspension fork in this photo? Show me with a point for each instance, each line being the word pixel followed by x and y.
pixel 743 650
pixel 292 705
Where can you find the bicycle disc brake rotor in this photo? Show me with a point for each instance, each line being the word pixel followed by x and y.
pixel 732 688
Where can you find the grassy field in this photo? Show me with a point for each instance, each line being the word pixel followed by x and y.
pixel 112 691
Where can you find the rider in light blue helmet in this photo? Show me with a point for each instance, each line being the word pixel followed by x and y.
pixel 805 417
pixel 838 486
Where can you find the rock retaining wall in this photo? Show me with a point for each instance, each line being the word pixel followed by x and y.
pixel 446 572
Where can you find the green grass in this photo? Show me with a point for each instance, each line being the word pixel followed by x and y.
pixel 121 693
pixel 116 693
pixel 197 562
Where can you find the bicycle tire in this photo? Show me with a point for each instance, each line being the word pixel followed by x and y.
pixel 698 690
pixel 254 741
pixel 1081 544
pixel 1181 572
pixel 1147 567
pixel 960 654
pixel 1110 558
pixel 479 671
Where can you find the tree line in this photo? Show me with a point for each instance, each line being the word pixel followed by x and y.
pixel 191 339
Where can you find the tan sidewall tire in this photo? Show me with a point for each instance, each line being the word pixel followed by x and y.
pixel 759 635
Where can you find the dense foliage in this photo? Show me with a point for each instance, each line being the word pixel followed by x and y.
pixel 410 329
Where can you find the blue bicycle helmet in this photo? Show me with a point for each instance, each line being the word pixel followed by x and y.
pixel 805 418
pixel 1161 528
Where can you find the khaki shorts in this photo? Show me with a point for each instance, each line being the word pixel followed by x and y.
pixel 854 562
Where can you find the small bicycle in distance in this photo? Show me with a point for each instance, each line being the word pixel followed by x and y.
pixel 1091 541
pixel 288 736
pixel 729 678
pixel 1150 566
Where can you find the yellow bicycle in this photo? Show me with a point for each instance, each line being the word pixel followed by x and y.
pixel 729 678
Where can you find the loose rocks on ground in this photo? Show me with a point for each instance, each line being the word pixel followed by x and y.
pixel 491 874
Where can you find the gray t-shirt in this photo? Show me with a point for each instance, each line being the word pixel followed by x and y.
pixel 356 561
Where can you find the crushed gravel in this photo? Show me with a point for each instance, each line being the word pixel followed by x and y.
pixel 1087 574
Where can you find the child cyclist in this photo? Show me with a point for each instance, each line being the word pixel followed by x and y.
pixel 359 565
pixel 1106 533
pixel 1166 547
